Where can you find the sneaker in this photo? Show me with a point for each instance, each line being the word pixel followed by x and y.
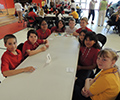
pixel 92 23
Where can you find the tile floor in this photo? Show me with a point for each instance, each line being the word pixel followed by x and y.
pixel 113 39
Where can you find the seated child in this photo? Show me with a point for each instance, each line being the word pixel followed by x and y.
pixel 29 47
pixel 83 25
pixel 87 58
pixel 60 27
pixel 12 57
pixel 71 28
pixel 74 14
pixel 81 36
pixel 43 32
pixel 106 85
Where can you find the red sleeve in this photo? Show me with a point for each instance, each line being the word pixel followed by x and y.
pixel 95 56
pixel 40 41
pixel 49 31
pixel 25 47
pixel 78 30
pixel 4 64
pixel 53 29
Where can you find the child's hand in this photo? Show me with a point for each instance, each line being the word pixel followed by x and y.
pixel 84 92
pixel 43 48
pixel 29 69
pixel 76 34
pixel 46 43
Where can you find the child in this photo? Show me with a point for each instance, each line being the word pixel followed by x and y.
pixel 12 58
pixel 60 27
pixel 74 14
pixel 87 58
pixel 43 32
pixel 71 28
pixel 81 36
pixel 29 47
pixel 83 24
pixel 41 13
pixel 106 85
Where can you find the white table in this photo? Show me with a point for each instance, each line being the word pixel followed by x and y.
pixel 49 81
pixel 50 15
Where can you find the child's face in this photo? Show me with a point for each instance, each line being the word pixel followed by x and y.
pixel 81 36
pixel 60 25
pixel 33 38
pixel 11 44
pixel 72 24
pixel 105 62
pixel 44 25
pixel 83 23
pixel 89 43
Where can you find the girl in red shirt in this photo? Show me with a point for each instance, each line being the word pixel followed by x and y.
pixel 87 58
pixel 43 32
pixel 60 27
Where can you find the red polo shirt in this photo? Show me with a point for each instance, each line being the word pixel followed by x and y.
pixel 29 46
pixel 56 29
pixel 42 35
pixel 80 29
pixel 33 15
pixel 9 61
pixel 88 56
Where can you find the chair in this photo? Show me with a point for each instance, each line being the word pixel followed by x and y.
pixel 102 39
pixel 30 24
pixel 110 22
pixel 20 46
pixel 118 96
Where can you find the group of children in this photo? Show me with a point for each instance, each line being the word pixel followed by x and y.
pixel 89 58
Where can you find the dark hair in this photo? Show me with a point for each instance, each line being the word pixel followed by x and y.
pixel 92 36
pixel 62 23
pixel 31 9
pixel 84 31
pixel 31 31
pixel 41 22
pixel 9 36
pixel 73 9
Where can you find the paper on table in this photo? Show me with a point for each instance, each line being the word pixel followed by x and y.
pixel 48 58
pixel 70 70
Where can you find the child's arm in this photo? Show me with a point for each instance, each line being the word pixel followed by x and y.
pixel 117 17
pixel 86 67
pixel 46 42
pixel 85 91
pixel 76 34
pixel 32 52
pixel 17 71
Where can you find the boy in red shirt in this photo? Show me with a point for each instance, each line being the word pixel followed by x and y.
pixel 29 47
pixel 83 24
pixel 12 58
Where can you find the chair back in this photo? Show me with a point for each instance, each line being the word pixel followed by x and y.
pixel 118 96
pixel 101 38
pixel 20 46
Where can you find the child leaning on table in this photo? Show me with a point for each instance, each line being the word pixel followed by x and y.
pixel 106 85
pixel 83 25
pixel 12 57
pixel 71 28
pixel 29 47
